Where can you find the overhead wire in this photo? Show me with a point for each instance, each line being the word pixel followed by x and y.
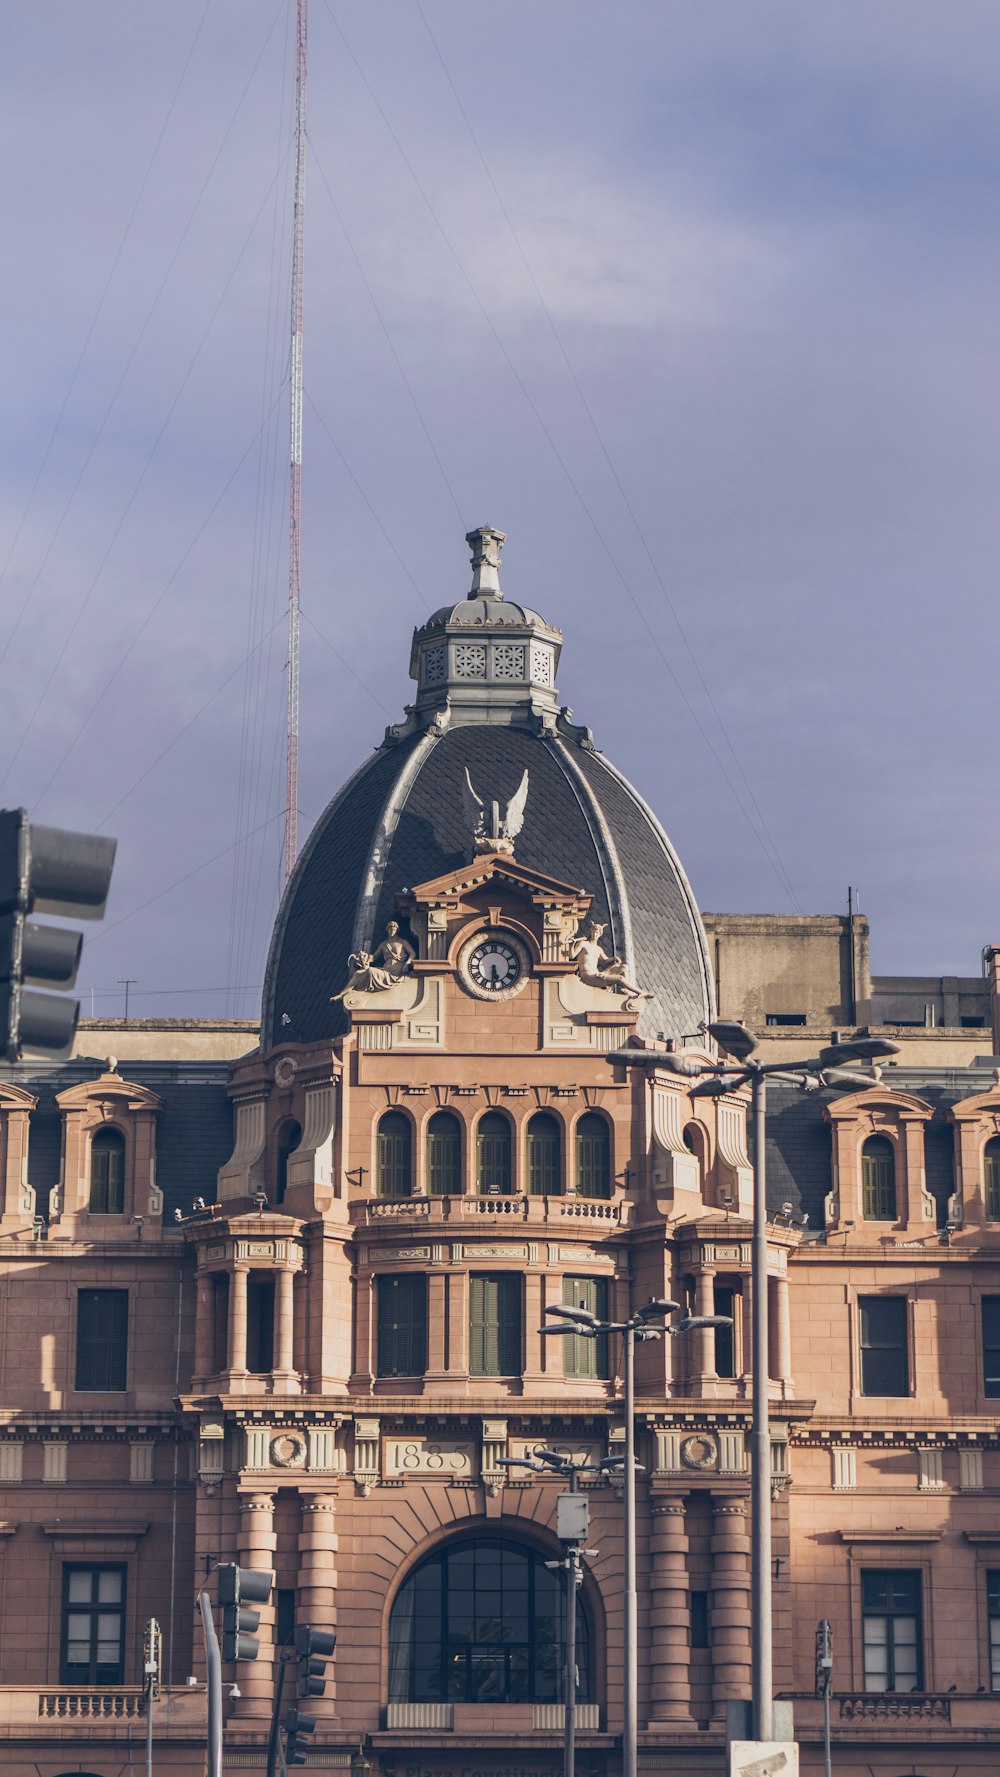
pixel 564 467
pixel 99 310
pixel 612 467
pixel 265 500
pixel 144 625
pixel 129 361
pixel 388 336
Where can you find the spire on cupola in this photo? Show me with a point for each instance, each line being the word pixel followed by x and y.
pixel 486 659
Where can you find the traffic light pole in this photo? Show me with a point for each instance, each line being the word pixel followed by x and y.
pixel 285 1654
pixel 213 1663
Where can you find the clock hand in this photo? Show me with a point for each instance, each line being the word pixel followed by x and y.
pixel 494 973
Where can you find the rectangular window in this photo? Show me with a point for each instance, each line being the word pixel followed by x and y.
pixel 890 1628
pixel 495 1324
pixel 993 1611
pixel 101 1339
pixel 402 1325
pixel 726 1299
pixel 699 1619
pixel 284 1617
pixel 586 1359
pixel 260 1324
pixel 107 1177
pixel 884 1366
pixel 783 1018
pixel 93 1626
pixel 990 1309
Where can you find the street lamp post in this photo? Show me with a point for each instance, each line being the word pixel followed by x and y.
pixel 648 1322
pixel 571 1534
pixel 723 1077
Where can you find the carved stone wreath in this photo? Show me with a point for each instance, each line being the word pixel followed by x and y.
pixel 285 1070
pixel 699 1452
pixel 288 1450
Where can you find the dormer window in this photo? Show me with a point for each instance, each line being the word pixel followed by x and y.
pixel 289 1136
pixel 991 1178
pixel 107 1173
pixel 878 1180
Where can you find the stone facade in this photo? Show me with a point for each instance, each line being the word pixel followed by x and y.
pixel 281 1305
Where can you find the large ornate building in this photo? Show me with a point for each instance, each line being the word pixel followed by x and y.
pixel 281 1303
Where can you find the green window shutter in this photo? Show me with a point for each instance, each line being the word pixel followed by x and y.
pixel 493 1155
pixel 593 1158
pixel 878 1180
pixel 543 1146
pixel 393 1156
pixel 402 1326
pixel 107 1173
pixel 444 1156
pixel 586 1359
pixel 495 1324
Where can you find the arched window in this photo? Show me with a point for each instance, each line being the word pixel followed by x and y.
pixel 481 1621
pixel 444 1155
pixel 544 1168
pixel 878 1180
pixel 107 1173
pixel 493 1155
pixel 393 1161
pixel 289 1136
pixel 593 1157
pixel 991 1178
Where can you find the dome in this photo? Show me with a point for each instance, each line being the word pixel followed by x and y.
pixel 488 706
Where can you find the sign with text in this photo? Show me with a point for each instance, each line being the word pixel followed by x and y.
pixel 427 1456
pixel 763 1758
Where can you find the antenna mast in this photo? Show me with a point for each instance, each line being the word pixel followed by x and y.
pixel 295 479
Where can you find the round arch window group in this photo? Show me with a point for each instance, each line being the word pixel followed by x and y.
pixel 490 1153
pixel 481 1620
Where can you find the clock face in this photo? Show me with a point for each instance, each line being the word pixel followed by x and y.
pixel 494 966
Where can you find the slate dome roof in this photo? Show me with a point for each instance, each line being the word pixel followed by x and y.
pixel 486 701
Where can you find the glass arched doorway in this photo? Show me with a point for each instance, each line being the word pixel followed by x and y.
pixel 481 1621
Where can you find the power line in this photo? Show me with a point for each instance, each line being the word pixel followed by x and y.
pixel 121 380
pixel 144 181
pixel 564 466
pixel 650 557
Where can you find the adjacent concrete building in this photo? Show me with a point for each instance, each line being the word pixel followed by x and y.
pixel 280 1301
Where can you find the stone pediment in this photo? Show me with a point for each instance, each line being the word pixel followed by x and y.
pixel 494 870
pixel 110 1090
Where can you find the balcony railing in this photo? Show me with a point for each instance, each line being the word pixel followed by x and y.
pixel 513 1207
pixel 122 1704
pixel 887 1706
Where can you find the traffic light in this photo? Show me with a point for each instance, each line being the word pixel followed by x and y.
pixel 238 1587
pixel 44 870
pixel 313 1648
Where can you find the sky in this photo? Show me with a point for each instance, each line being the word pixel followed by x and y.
pixel 694 299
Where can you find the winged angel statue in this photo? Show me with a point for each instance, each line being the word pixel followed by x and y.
pixel 490 831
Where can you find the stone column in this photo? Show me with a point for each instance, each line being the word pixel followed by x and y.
pixel 702 1358
pixel 730 1600
pixel 316 1587
pixel 745 1353
pixel 257 1543
pixel 284 1323
pixel 670 1614
pixel 437 1296
pixel 204 1326
pixel 236 1356
pixel 532 1371
pixel 458 1323
pixel 783 1335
